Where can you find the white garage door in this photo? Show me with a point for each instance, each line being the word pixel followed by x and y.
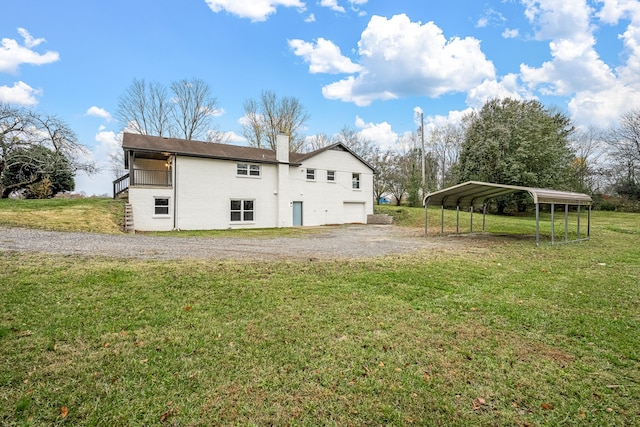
pixel 353 212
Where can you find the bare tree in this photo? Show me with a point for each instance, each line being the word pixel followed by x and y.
pixel 184 111
pixel 316 142
pixel 363 147
pixel 145 108
pixel 445 143
pixel 253 126
pixel 381 161
pixel 193 106
pixel 270 116
pixel 24 130
pixel 624 141
pixel 591 172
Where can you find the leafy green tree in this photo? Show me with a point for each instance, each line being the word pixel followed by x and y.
pixel 518 143
pixel 39 170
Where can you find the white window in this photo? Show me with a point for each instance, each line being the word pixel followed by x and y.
pixel 246 169
pixel 331 176
pixel 311 174
pixel 161 206
pixel 355 181
pixel 242 210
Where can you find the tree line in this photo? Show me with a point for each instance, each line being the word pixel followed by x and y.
pixel 507 141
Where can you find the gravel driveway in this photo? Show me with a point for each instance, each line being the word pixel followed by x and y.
pixel 340 242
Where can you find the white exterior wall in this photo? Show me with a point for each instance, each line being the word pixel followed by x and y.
pixel 142 200
pixel 323 202
pixel 205 188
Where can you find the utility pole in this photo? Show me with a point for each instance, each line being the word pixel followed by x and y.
pixel 422 151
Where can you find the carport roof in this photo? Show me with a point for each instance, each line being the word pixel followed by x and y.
pixel 473 193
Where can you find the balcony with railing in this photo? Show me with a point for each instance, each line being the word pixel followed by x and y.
pixel 142 178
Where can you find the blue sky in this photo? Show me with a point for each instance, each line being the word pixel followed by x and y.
pixel 363 64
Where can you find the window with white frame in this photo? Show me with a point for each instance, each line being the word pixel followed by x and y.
pixel 247 169
pixel 242 210
pixel 311 174
pixel 161 206
pixel 355 181
pixel 331 176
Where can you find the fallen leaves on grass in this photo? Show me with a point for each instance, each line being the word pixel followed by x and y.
pixel 166 415
pixel 547 406
pixel 479 403
pixel 64 411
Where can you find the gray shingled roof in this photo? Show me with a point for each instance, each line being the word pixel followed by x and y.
pixel 156 144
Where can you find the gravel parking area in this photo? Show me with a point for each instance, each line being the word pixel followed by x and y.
pixel 340 242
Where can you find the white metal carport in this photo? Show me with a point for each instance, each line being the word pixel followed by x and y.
pixel 475 193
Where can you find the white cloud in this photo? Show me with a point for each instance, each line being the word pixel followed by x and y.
pixel 29 41
pixel 553 19
pixel 333 5
pixel 603 108
pixel 507 87
pixel 490 17
pixel 310 18
pixel 509 33
pixel 232 137
pixel 19 94
pixel 12 54
pixel 380 133
pixel 599 94
pixel 323 57
pixel 402 58
pixel 454 118
pixel 255 10
pixel 615 10
pixel 99 112
pixel 100 183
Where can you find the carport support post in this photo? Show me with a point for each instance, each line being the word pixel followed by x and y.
pixel 589 223
pixel 537 224
pixel 425 218
pixel 484 214
pixel 553 224
pixel 578 236
pixel 442 219
pixel 457 219
pixel 566 222
pixel 471 219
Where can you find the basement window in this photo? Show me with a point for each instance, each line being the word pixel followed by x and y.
pixel 161 206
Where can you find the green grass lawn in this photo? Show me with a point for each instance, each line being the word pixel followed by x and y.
pixel 95 214
pixel 500 333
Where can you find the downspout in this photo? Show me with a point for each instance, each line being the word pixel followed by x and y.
pixel 175 191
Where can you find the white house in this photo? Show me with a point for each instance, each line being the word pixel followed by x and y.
pixel 191 185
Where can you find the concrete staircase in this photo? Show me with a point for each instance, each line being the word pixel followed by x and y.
pixel 128 219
